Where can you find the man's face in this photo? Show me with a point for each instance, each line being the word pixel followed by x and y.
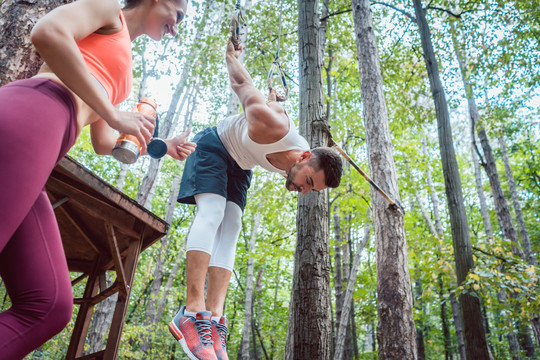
pixel 303 178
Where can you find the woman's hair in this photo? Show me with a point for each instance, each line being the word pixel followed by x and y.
pixel 130 4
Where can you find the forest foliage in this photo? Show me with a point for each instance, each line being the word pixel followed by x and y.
pixel 501 43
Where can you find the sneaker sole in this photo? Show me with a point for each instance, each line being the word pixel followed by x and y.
pixel 180 338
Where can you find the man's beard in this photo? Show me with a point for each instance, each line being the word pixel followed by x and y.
pixel 291 175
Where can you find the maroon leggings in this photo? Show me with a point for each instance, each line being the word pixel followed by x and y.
pixel 38 126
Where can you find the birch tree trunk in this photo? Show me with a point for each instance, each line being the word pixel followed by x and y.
pixel 433 193
pixel 348 347
pixel 347 299
pixel 168 122
pixel 476 344
pixel 248 303
pixel 309 337
pixel 396 333
pixel 18 58
pixel 484 211
pixel 338 288
pixel 156 303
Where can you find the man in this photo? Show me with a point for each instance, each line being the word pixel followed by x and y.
pixel 216 178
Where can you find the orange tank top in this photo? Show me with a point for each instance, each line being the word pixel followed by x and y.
pixel 108 58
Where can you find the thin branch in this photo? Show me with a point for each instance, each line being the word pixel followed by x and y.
pixel 336 13
pixel 395 8
pixel 493 255
pixel 444 10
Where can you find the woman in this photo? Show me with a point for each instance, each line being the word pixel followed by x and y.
pixel 86 46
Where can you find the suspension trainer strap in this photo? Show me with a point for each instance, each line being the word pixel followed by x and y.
pixel 237 20
pixel 277 66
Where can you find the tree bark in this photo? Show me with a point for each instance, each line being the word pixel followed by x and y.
pixel 18 58
pixel 310 301
pixel 501 205
pixel 476 344
pixel 433 193
pixel 484 211
pixel 347 299
pixel 529 256
pixel 418 304
pixel 458 323
pixel 396 333
pixel 338 276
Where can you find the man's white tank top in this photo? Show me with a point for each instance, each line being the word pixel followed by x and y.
pixel 233 132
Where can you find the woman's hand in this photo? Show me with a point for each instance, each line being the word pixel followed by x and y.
pixel 134 123
pixel 178 148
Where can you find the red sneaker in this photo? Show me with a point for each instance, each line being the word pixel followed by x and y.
pixel 219 336
pixel 194 334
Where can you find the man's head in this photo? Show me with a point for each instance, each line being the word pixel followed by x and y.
pixel 316 169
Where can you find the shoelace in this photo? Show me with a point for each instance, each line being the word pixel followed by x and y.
pixel 222 332
pixel 204 330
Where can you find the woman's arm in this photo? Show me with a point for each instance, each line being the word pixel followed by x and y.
pixel 55 37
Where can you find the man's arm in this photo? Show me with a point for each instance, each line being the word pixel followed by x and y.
pixel 264 123
pixel 241 81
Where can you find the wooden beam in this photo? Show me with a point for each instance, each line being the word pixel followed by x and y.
pixel 78 279
pixel 113 289
pixel 95 207
pixel 95 356
pixel 80 230
pixel 117 259
pixel 80 330
pixel 130 263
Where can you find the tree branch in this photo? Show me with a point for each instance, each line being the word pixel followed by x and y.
pixel 395 8
pixel 336 13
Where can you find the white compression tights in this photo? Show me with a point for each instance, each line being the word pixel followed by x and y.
pixel 215 229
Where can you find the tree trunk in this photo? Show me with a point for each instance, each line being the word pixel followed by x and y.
pixel 529 256
pixel 420 346
pixel 156 304
pixel 484 211
pixel 347 299
pixel 348 347
pixel 18 58
pixel 310 335
pixel 101 321
pixel 338 287
pixel 169 121
pixel 458 323
pixel 433 193
pixel 444 321
pixel 121 178
pixel 476 344
pixel 396 333
pixel 501 205
pixel 248 304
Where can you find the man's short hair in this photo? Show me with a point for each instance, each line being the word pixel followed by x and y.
pixel 327 159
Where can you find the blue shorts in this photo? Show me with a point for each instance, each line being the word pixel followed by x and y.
pixel 210 169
